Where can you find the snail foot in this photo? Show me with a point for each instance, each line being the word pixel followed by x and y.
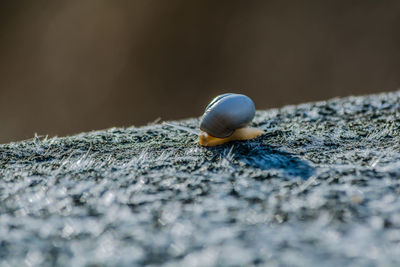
pixel 245 133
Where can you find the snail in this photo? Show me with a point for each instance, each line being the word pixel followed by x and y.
pixel 225 118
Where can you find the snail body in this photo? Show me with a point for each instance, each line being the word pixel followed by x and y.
pixel 225 118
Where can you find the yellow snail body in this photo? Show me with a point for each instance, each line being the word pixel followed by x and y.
pixel 225 118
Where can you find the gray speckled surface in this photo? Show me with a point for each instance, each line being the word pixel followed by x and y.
pixel 321 187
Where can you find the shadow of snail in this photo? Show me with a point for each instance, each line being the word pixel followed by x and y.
pixel 264 157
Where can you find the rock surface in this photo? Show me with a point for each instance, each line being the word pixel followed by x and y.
pixel 321 187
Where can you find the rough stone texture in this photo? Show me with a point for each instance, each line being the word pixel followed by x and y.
pixel 321 187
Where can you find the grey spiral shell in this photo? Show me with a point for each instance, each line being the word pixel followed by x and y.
pixel 226 113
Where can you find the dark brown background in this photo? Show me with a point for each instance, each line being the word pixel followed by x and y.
pixel 72 66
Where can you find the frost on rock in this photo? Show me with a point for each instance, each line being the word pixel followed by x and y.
pixel 320 187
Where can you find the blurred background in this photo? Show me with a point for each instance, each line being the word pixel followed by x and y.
pixel 73 66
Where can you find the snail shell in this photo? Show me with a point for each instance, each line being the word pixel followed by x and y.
pixel 226 113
